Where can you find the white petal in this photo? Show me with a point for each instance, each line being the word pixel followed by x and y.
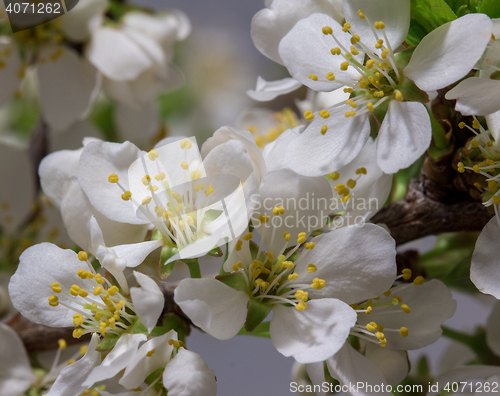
pixel 29 287
pixel 449 52
pixel 271 24
pixel 269 90
pixel 216 308
pixel 18 186
pixel 431 305
pixel 16 375
pixel 66 87
pixel 76 24
pixel 148 300
pixel 476 96
pixel 70 379
pixel 117 359
pixel 356 263
pixel 97 162
pixel 314 334
pixel 493 121
pixel 226 135
pixel 273 152
pixel 404 136
pixel 394 365
pixel 116 56
pixel 316 373
pixel 466 373
pixel 142 365
pixel 57 171
pixel 314 154
pixel 484 271
pixel 351 367
pixel 394 13
pixel 492 329
pixel 304 199
pixel 305 50
pixel 197 380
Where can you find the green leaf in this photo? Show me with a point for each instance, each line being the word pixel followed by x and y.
pixel 490 8
pixel 172 321
pixel 215 252
pixel 138 328
pixel 430 14
pixel 261 330
pixel 415 34
pixel 236 280
pixel 257 312
pixel 167 252
pixel 411 92
pixel 108 343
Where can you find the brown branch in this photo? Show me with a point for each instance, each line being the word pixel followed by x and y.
pixel 431 208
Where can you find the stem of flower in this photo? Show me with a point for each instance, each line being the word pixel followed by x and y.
pixel 194 268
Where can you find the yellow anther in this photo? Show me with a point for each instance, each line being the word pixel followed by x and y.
pixel 270 256
pixel 120 305
pixel 62 344
pixel 324 128
pixel 330 76
pixel 146 179
pixel 263 219
pixel 78 319
pixel 474 143
pixel 77 333
pixel 146 200
pixel 372 326
pixel 234 267
pixel 403 331
pixel 313 77
pixel 476 124
pixel 383 55
pixel 325 114
pixel 351 103
pixel 209 190
pixel 151 353
pixel 238 245
pixel 336 51
pixel 354 51
pixel 126 195
pixel 406 273
pixel 301 306
pixel 55 287
pixel 370 63
pixel 184 165
pixel 344 65
pixel 399 95
pixel 405 308
pixel 113 290
pixel 83 293
pixel 152 155
pixel 348 90
pixel 346 27
pixel 379 25
pixel 152 188
pixel 379 44
pixel 354 40
pixel 301 295
pixel 387 293
pixel 327 30
pixel 82 256
pixel 311 268
pixel 159 211
pixel 419 280
pixel 350 114
pixel 293 276
pixel 256 273
pixel 288 264
pixel 361 15
pixel 98 279
pixel 461 125
pixel 496 200
pixel 309 245
pixel 195 175
pixel 287 236
pixel 248 236
pixel 160 176
pixel 461 168
pixel 380 335
pixel 318 284
pixel 308 115
pixel 493 186
pixel 83 349
pixel 368 310
pixel 53 301
pixel 301 239
pixel 185 144
pixel 113 178
pixel 97 290
pixel 489 144
pixel 476 169
pixel 351 183
pixel 370 106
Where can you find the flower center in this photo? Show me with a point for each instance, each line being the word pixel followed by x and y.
pixel 284 120
pixel 99 307
pixel 378 77
pixel 272 279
